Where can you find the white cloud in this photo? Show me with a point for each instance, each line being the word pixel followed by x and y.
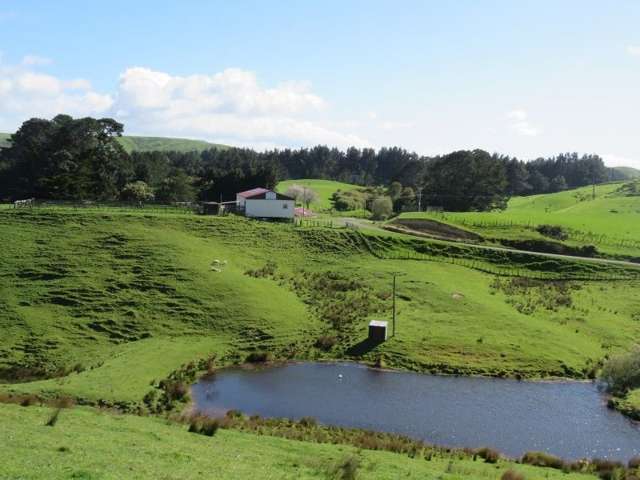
pixel 633 50
pixel 519 115
pixel 229 105
pixel 25 93
pixel 35 60
pixel 387 125
pixel 613 160
pixel 519 123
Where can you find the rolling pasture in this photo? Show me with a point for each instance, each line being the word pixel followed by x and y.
pixel 102 305
pixel 134 143
pixel 611 221
pixel 324 189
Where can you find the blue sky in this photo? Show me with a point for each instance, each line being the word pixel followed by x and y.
pixel 521 78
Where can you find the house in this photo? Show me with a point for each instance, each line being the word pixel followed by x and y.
pixel 265 203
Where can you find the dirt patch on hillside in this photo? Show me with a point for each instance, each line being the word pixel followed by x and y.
pixel 436 229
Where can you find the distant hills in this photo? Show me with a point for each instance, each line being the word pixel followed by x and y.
pixel 146 144
pixel 628 172
pixel 165 144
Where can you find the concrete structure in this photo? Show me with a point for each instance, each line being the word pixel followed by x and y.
pixel 264 203
pixel 378 331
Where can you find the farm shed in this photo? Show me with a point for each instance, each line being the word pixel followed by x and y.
pixel 265 203
pixel 378 331
pixel 217 208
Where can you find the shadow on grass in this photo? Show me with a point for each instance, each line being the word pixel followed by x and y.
pixel 363 347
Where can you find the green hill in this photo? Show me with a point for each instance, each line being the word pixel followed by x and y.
pixel 144 144
pixel 126 298
pixel 629 172
pixel 611 220
pixel 163 144
pixel 324 189
pixel 4 139
pixel 111 306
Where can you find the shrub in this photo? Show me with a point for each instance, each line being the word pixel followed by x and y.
pixel 308 422
pixel 176 390
pixel 347 468
pixel 512 475
pixel 382 208
pixel 607 469
pixel 553 231
pixel 267 271
pixel 137 192
pixel 326 342
pixel 542 459
pixel 622 373
pixel 634 462
pixel 259 357
pixel 28 400
pixel 204 425
pixel 234 414
pixel 488 454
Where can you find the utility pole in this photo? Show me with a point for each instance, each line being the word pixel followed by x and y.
pixel 419 199
pixel 395 274
pixel 394 304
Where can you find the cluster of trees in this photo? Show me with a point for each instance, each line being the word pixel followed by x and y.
pixel 72 159
pixel 81 159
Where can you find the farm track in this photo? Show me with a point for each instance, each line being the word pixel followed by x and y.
pixel 405 231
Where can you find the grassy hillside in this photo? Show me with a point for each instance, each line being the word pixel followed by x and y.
pixel 110 303
pixel 611 221
pixel 143 144
pixel 163 144
pixel 630 172
pixel 89 444
pixel 324 189
pixel 4 139
pixel 104 304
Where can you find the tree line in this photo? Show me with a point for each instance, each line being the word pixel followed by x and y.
pixel 81 159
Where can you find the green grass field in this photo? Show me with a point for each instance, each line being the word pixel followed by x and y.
pixel 324 189
pixel 146 144
pixel 128 298
pixel 89 444
pixel 611 221
pixel 102 304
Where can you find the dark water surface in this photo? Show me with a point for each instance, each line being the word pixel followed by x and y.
pixel 568 419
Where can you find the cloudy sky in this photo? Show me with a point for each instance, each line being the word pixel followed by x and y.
pixel 525 78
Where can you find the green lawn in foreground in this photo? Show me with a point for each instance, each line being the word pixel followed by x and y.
pixel 131 297
pixel 324 189
pixel 89 444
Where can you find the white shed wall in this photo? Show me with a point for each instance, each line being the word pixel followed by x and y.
pixel 269 208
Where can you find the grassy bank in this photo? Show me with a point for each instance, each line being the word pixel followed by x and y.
pixel 92 444
pixel 104 305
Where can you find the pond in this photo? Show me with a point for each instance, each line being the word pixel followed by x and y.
pixel 568 419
